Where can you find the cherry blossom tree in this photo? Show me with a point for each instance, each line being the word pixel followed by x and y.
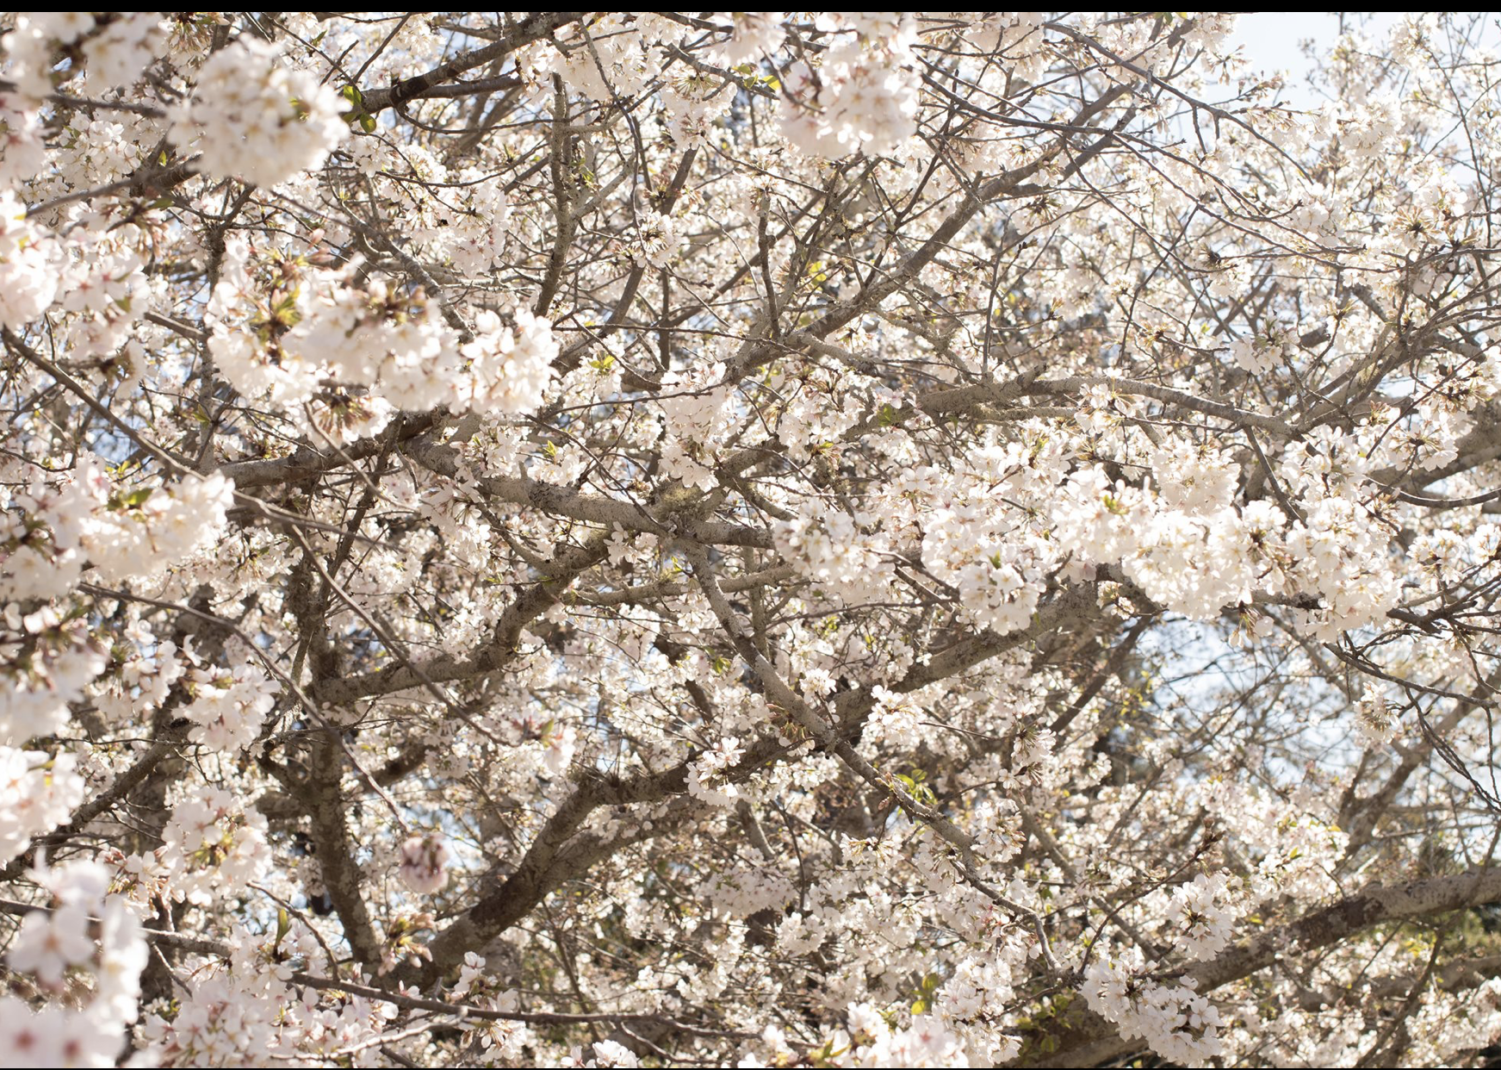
pixel 746 539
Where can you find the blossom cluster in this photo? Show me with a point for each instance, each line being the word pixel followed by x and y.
pixel 87 934
pixel 863 96
pixel 422 864
pixel 228 706
pixel 284 328
pixel 212 846
pixel 1178 1023
pixel 256 117
pixel 740 538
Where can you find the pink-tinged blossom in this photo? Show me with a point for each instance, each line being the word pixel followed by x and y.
pixel 423 862
pixel 48 943
pixel 91 937
pixel 29 260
